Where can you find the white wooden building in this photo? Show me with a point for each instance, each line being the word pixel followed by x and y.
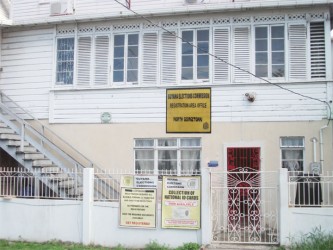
pixel 97 73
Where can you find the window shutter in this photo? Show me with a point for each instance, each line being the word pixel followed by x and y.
pixel 150 59
pixel 101 60
pixel 221 50
pixel 297 51
pixel 169 58
pixel 317 50
pixel 241 53
pixel 84 61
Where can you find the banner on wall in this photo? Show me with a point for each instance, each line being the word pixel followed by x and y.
pixel 181 199
pixel 138 208
pixel 188 110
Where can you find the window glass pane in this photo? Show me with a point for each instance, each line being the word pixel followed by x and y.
pixel 144 154
pixel 65 61
pixel 132 63
pixel 203 35
pixel 187 61
pixel 133 51
pixel 193 154
pixel 144 143
pixel 118 64
pixel 292 159
pixel 262 70
pixel 261 32
pixel 278 44
pixel 277 32
pixel 278 70
pixel 133 39
pixel 187 36
pixel 292 141
pixel 190 142
pixel 203 73
pixel 187 48
pixel 261 45
pixel 167 160
pixel 203 48
pixel 119 52
pixel 118 76
pixel 261 58
pixel 144 165
pixel 132 75
pixel 167 142
pixel 119 40
pixel 203 60
pixel 277 57
pixel 187 73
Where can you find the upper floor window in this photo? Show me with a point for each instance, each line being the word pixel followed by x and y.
pixel 195 60
pixel 269 51
pixel 126 58
pixel 168 156
pixel 65 61
pixel 292 153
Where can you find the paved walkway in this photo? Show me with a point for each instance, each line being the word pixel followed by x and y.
pixel 238 246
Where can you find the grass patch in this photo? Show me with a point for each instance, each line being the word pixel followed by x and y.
pixel 315 240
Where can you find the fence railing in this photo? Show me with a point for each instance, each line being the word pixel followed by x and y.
pixel 21 183
pixel 310 190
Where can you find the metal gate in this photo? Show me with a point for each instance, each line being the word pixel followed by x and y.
pixel 245 206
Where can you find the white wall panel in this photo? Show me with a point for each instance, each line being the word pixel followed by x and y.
pixel 27 62
pixel 228 104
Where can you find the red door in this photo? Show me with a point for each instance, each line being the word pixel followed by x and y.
pixel 243 165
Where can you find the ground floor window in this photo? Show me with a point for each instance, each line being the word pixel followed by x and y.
pixel 292 152
pixel 172 156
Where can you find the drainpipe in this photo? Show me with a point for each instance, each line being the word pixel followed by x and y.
pixel 321 143
pixel 314 141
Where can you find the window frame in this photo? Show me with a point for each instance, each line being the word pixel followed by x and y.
pixel 74 62
pixel 270 50
pixel 293 148
pixel 195 55
pixel 124 82
pixel 178 147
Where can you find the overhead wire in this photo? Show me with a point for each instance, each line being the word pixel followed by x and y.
pixel 226 62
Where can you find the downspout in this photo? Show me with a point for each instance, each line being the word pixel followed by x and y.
pixel 321 143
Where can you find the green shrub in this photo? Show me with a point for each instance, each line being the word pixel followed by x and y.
pixel 189 246
pixel 153 245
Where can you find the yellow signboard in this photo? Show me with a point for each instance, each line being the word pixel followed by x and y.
pixel 138 208
pixel 181 202
pixel 188 110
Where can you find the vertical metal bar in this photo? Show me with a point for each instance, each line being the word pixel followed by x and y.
pixel 22 137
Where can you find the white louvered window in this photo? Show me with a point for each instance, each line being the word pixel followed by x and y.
pixel 169 58
pixel 84 60
pixel 125 58
pixel 269 51
pixel 297 51
pixel 241 50
pixel 150 58
pixel 221 51
pixel 195 60
pixel 317 50
pixel 102 51
pixel 65 61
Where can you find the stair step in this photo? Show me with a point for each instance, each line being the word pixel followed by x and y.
pixel 75 191
pixel 6 131
pixel 67 184
pixel 42 163
pixel 16 143
pixel 10 137
pixel 3 125
pixel 51 170
pixel 27 149
pixel 59 177
pixel 34 156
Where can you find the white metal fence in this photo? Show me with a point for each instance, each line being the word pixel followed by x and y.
pixel 46 183
pixel 310 190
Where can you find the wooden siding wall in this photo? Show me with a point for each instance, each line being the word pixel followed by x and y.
pixel 228 104
pixel 26 61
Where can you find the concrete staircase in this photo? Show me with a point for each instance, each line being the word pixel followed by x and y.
pixel 62 183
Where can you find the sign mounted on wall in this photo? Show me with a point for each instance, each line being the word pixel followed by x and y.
pixel 188 110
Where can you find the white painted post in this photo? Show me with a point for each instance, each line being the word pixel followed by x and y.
pixel 284 207
pixel 88 199
pixel 22 137
pixel 206 220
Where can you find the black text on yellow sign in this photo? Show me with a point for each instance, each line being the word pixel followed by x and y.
pixel 188 110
